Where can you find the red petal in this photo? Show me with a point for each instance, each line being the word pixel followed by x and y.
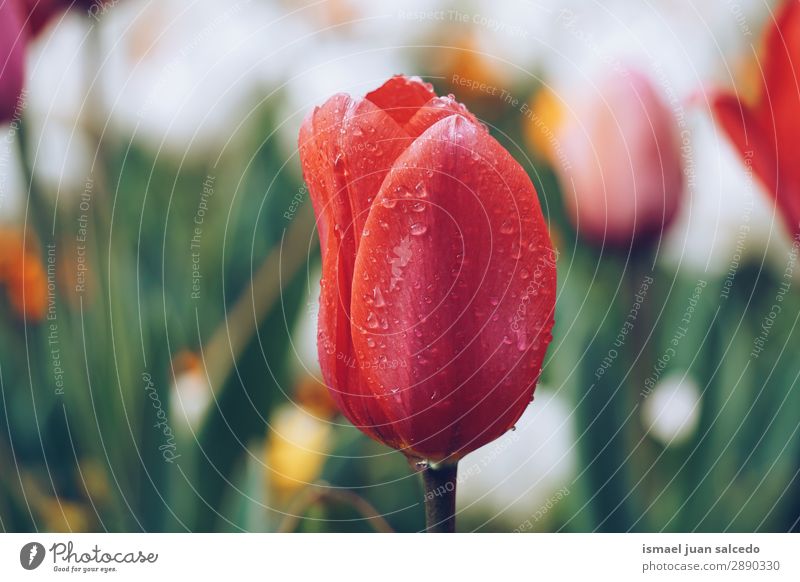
pixel 434 110
pixel 754 142
pixel 782 68
pixel 401 96
pixel 458 287
pixel 13 41
pixel 346 149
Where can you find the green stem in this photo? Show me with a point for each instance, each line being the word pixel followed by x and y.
pixel 440 497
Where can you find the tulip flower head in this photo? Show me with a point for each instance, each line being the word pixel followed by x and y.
pixel 765 133
pixel 624 179
pixel 438 284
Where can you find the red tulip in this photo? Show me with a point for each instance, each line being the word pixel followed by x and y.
pixel 624 181
pixel 766 132
pixel 438 282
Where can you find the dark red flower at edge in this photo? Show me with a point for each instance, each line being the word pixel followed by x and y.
pixel 439 279
pixel 766 133
pixel 13 40
pixel 21 20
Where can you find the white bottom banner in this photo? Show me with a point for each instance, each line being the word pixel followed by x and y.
pixel 357 557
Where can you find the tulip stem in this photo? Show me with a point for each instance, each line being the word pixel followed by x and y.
pixel 440 497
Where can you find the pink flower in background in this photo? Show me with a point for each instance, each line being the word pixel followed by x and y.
pixel 624 179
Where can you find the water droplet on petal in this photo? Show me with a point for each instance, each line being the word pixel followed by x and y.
pixel 418 229
pixel 370 342
pixel 507 227
pixel 524 273
pixel 372 320
pixel 494 300
pixel 418 207
pixel 522 341
pixel 378 296
pixel 389 202
pixel 420 190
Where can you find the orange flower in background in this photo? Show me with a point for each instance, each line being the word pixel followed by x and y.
pixel 766 131
pixel 23 275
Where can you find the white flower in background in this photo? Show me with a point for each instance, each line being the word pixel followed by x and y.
pixel 727 219
pixel 510 37
pixel 182 77
pixel 671 412
pixel 514 476
pixel 190 394
pixel 681 44
pixel 59 146
pixel 386 23
pixel 13 189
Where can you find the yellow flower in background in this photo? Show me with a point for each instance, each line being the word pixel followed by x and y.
pixel 54 513
pixel 64 516
pixel 299 440
pixel 542 121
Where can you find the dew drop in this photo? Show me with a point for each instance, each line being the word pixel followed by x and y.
pixel 418 207
pixel 370 342
pixel 418 229
pixel 378 297
pixel 507 227
pixel 372 321
pixel 420 189
pixel 524 273
pixel 389 202
pixel 494 300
